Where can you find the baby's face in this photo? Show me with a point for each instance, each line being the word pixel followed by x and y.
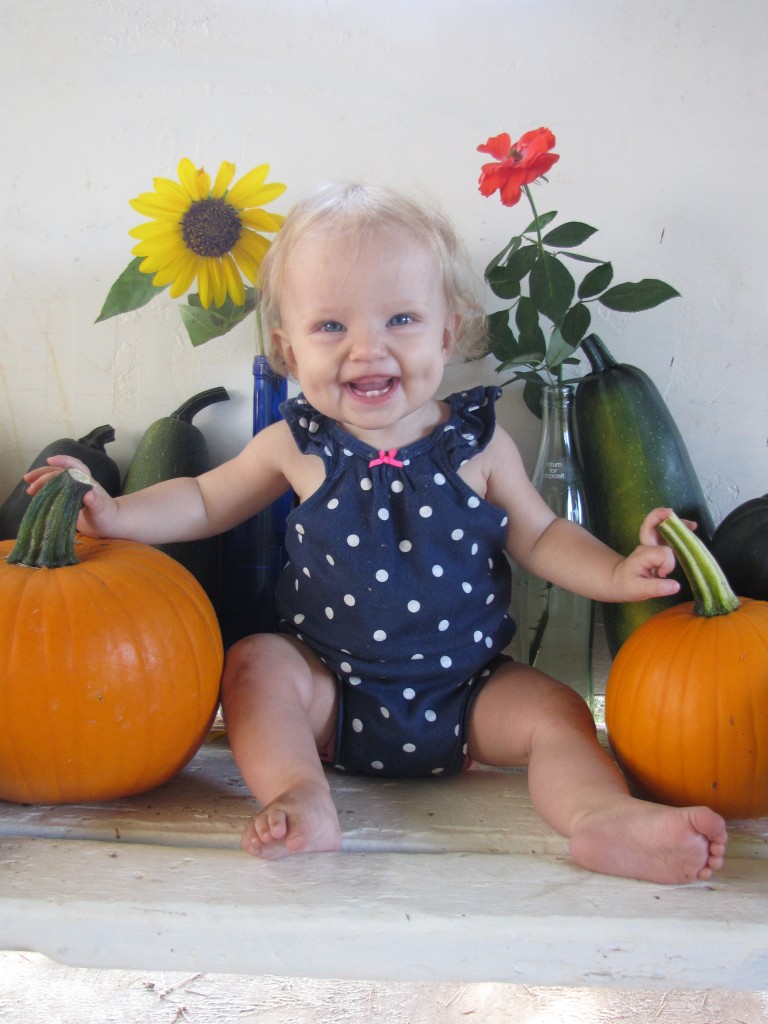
pixel 366 330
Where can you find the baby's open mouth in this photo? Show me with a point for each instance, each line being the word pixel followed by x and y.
pixel 372 387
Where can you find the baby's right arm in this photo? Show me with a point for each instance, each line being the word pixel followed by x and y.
pixel 172 510
pixel 186 508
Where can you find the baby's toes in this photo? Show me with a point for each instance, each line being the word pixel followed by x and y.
pixel 271 825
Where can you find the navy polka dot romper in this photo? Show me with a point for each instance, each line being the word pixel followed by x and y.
pixel 397 579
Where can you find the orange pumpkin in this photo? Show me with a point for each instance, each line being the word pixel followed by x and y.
pixel 687 695
pixel 110 660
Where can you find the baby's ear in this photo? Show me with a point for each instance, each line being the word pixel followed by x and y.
pixel 282 352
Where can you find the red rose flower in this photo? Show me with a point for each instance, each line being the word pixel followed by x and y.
pixel 518 164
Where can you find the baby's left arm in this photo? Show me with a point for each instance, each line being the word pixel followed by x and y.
pixel 562 551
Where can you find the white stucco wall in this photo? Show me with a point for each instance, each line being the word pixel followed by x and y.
pixel 660 111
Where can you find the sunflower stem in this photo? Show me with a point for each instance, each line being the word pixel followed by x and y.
pixel 712 594
pixel 259 329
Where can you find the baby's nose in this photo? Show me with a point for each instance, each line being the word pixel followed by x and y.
pixel 367 344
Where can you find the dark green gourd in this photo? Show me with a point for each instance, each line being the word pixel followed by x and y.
pixel 89 449
pixel 740 545
pixel 172 447
pixel 633 459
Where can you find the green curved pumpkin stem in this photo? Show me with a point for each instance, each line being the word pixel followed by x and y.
pixel 712 593
pixel 47 533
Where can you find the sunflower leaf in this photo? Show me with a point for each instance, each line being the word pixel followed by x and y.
pixel 205 324
pixel 132 290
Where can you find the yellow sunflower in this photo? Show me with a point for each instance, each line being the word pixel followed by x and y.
pixel 209 232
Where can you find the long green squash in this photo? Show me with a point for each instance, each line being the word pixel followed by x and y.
pixel 634 459
pixel 90 449
pixel 171 447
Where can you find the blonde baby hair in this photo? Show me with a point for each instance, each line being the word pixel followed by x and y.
pixel 346 208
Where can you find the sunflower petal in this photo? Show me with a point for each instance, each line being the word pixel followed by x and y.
pixel 196 183
pixel 150 205
pixel 249 251
pixel 159 263
pixel 165 270
pixel 218 282
pixel 156 229
pixel 267 193
pixel 165 251
pixel 260 220
pixel 223 179
pixel 234 281
pixel 165 186
pixel 240 193
pixel 185 276
pixel 204 284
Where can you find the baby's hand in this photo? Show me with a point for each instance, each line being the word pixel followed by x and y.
pixel 643 574
pixel 99 510
pixel 648 532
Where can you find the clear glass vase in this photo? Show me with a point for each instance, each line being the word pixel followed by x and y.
pixel 555 627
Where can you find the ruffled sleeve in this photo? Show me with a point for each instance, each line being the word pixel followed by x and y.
pixel 472 423
pixel 308 427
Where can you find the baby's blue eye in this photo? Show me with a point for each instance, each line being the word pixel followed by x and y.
pixel 399 319
pixel 332 326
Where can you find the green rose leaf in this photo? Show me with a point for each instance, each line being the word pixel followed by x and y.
pixel 631 297
pixel 512 245
pixel 532 394
pixel 521 261
pixel 551 287
pixel 505 280
pixel 596 281
pixel 568 235
pixel 501 340
pixel 132 290
pixel 540 222
pixel 531 339
pixel 502 284
pixel 575 325
pixel 578 256
pixel 204 324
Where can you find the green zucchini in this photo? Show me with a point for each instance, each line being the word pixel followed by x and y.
pixel 172 447
pixel 633 459
pixel 89 449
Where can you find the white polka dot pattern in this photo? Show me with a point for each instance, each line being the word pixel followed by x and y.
pixel 402 567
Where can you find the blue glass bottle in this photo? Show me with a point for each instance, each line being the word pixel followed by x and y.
pixel 253 553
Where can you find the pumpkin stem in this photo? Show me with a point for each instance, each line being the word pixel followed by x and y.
pixel 712 594
pixel 46 537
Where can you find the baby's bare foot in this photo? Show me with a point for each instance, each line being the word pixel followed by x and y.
pixel 301 820
pixel 637 839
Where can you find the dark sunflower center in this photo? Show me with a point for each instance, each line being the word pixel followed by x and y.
pixel 210 227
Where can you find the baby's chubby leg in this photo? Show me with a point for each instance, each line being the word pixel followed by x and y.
pixel 524 717
pixel 279 704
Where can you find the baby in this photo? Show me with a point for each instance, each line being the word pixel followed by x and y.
pixel 394 600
